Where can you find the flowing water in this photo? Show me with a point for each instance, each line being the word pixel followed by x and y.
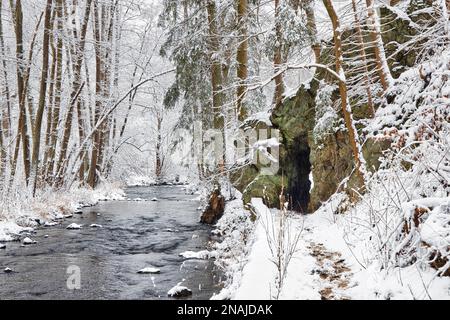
pixel 135 235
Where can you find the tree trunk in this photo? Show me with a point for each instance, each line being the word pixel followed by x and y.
pixel 108 33
pixel 312 28
pixel 76 86
pixel 54 116
pixel 99 76
pixel 444 8
pixel 346 109
pixel 242 58
pixel 51 99
pixel 21 94
pixel 3 155
pixel 6 114
pixel 375 33
pixel 42 96
pixel 216 78
pixel 362 50
pixel 277 58
pixel 158 164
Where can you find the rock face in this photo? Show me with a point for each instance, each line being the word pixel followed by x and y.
pixel 295 119
pixel 331 164
pixel 215 208
pixel 312 147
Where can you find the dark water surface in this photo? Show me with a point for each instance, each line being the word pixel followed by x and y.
pixel 135 235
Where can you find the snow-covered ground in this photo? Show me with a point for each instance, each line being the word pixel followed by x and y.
pixel 19 213
pixel 325 265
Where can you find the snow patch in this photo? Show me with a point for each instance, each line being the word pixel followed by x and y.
pixel 202 255
pixel 74 226
pixel 28 241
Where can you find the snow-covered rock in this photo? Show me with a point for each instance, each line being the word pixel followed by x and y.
pixel 179 291
pixel 94 225
pixel 2 246
pixel 7 270
pixel 149 270
pixel 74 226
pixel 204 254
pixel 28 241
pixel 9 230
pixel 50 224
pixel 154 199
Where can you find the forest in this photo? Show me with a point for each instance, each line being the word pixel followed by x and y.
pixel 225 149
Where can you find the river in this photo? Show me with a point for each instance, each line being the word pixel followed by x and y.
pixel 134 235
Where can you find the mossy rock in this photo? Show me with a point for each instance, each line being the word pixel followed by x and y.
pixel 295 116
pixel 332 161
pixel 267 187
pixel 242 177
pixel 330 155
pixel 361 110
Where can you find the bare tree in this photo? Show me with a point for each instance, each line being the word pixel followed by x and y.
pixel 346 108
pixel 21 92
pixel 362 50
pixel 42 96
pixel 6 113
pixel 75 91
pixel 242 57
pixel 380 56
pixel 216 72
pixel 277 57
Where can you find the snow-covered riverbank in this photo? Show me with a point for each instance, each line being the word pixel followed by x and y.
pixel 19 213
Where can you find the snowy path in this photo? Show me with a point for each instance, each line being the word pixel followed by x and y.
pixel 314 272
pixel 326 266
pixel 333 272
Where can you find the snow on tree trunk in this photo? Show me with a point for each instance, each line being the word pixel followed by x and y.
pixel 277 58
pixel 380 55
pixel 346 108
pixel 242 58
